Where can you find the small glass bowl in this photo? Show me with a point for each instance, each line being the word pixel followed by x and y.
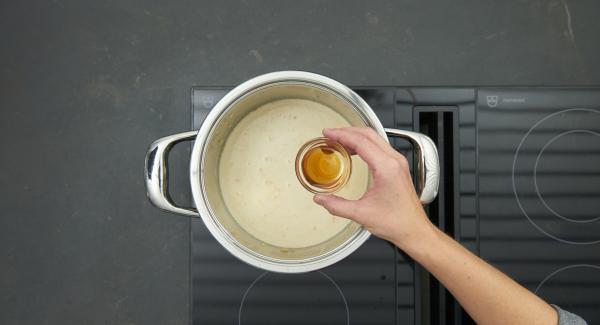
pixel 340 179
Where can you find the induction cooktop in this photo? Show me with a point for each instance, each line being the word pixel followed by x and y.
pixel 520 187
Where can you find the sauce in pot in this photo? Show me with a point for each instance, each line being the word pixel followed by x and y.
pixel 258 179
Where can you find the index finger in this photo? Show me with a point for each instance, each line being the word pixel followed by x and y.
pixel 370 152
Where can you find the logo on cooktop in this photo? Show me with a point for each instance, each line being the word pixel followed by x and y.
pixel 208 101
pixel 492 101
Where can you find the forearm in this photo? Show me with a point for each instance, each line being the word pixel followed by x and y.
pixel 488 295
pixel 391 210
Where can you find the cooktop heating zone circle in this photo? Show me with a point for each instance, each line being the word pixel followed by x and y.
pixel 294 299
pixel 573 288
pixel 556 175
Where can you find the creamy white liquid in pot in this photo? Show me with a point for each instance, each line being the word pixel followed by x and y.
pixel 258 180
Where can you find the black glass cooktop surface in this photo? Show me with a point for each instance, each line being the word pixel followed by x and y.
pixel 539 191
pixel 520 186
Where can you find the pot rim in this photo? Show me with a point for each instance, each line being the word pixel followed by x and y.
pixel 197 173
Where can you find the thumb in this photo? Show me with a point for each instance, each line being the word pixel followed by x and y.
pixel 337 206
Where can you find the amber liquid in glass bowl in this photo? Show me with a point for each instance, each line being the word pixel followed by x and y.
pixel 323 166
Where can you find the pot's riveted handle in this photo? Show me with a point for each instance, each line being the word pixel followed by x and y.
pixel 156 173
pixel 428 163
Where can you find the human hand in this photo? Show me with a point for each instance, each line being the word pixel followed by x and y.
pixel 390 208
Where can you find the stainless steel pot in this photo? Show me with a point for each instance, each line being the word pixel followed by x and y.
pixel 209 142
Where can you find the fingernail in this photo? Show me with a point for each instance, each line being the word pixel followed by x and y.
pixel 318 199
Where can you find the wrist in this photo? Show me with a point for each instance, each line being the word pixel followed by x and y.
pixel 421 241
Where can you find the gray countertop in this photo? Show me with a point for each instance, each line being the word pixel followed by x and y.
pixel 87 85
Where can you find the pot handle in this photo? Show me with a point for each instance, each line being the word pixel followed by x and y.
pixel 428 163
pixel 156 173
